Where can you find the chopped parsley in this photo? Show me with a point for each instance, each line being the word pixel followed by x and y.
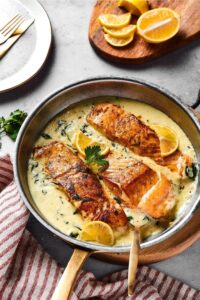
pixel 84 128
pixel 130 218
pixel 191 172
pixel 12 124
pixel 93 156
pixel 73 234
pixel 46 136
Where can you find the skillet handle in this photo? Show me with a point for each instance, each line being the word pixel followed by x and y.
pixel 133 260
pixel 67 281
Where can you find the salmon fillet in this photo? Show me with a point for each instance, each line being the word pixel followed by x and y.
pixel 125 128
pixel 80 184
pixel 160 200
pixel 138 186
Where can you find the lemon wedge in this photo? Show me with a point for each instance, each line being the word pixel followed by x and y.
pixel 82 141
pixel 118 42
pixel 136 7
pixel 121 32
pixel 115 21
pixel 168 139
pixel 158 25
pixel 97 231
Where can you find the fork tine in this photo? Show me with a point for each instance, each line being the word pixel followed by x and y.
pixel 9 23
pixel 11 26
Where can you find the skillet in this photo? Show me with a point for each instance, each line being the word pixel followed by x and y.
pixel 74 94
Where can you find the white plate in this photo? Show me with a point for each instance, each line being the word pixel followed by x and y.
pixel 29 53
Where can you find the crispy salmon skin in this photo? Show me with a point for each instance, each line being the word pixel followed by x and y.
pixel 80 184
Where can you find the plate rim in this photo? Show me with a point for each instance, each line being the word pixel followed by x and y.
pixel 36 71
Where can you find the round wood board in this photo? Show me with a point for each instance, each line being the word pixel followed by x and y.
pixel 178 243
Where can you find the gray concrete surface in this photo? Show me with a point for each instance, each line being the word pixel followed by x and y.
pixel 72 59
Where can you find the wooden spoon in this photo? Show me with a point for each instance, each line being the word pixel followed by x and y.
pixel 133 259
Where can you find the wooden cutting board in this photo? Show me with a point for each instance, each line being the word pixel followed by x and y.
pixel 178 243
pixel 140 51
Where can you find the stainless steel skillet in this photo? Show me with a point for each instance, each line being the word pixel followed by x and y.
pixel 89 89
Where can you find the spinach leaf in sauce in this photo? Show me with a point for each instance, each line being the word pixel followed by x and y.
pixel 46 136
pixel 63 126
pixel 73 234
pixel 191 172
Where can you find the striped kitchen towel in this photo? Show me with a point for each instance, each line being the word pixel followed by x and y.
pixel 27 272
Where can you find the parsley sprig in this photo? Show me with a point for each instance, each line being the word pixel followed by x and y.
pixel 93 156
pixel 12 124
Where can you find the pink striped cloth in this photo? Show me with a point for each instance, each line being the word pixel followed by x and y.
pixel 28 272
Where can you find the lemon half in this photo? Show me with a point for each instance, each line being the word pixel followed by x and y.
pixel 136 7
pixel 114 21
pixel 158 25
pixel 97 231
pixel 82 141
pixel 168 139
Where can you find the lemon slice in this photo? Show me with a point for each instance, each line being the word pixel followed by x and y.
pixel 97 231
pixel 121 32
pixel 158 25
pixel 82 141
pixel 168 139
pixel 136 7
pixel 119 42
pixel 115 21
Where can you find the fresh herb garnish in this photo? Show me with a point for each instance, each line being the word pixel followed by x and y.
pixel 191 172
pixel 12 124
pixel 130 218
pixel 93 156
pixel 46 136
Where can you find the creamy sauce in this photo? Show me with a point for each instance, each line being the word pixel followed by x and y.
pixel 54 205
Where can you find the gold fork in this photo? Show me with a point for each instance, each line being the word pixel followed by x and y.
pixel 8 29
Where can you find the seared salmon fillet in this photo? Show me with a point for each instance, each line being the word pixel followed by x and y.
pixel 80 184
pixel 129 131
pixel 160 200
pixel 119 126
pixel 138 186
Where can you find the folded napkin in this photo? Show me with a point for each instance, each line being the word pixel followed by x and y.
pixel 28 272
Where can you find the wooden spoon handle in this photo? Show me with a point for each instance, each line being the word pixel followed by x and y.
pixel 133 261
pixel 67 281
